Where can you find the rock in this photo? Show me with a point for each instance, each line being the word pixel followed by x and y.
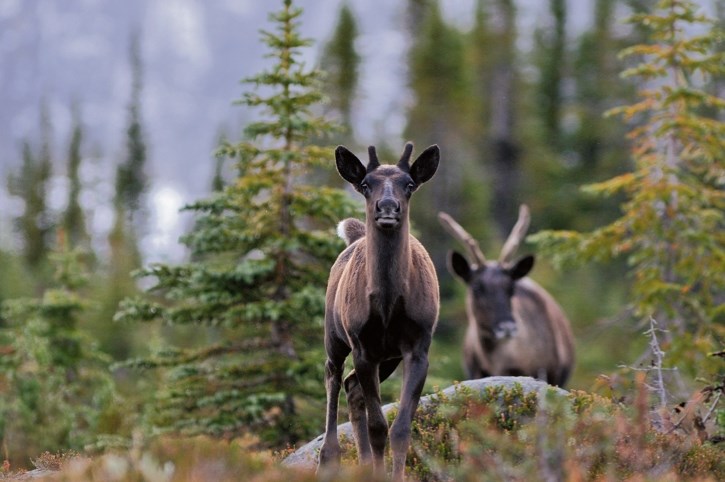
pixel 31 474
pixel 306 456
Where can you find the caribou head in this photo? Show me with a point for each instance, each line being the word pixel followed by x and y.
pixel 491 284
pixel 387 188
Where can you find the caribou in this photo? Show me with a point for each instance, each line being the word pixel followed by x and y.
pixel 515 327
pixel 382 305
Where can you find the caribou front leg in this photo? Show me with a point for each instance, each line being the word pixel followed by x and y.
pixel 415 364
pixel 367 375
pixel 330 451
pixel 356 407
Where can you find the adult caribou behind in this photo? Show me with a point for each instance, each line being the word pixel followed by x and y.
pixel 382 305
pixel 514 326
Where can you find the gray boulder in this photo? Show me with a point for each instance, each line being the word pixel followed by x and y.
pixel 306 456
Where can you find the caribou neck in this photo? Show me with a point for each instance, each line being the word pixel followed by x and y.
pixel 388 261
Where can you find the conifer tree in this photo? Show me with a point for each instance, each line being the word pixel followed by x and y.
pixel 503 142
pixel 440 85
pixel 131 184
pixel 672 227
pixel 31 185
pixel 481 55
pixel 341 62
pixel 261 249
pixel 74 223
pixel 552 71
pixel 131 181
pixel 54 383
pixel 587 147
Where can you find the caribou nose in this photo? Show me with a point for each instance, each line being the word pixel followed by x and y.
pixel 505 329
pixel 388 205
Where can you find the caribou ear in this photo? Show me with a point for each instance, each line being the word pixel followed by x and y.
pixel 522 267
pixel 425 165
pixel 458 265
pixel 349 166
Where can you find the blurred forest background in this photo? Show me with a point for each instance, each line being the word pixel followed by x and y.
pixel 110 324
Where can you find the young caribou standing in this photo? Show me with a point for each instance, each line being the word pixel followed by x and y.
pixel 514 326
pixel 382 305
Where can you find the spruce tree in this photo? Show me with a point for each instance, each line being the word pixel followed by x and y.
pixel 131 180
pixel 54 382
pixel 73 222
pixel 552 71
pixel 587 147
pixel 672 227
pixel 31 185
pixel 131 185
pixel 503 136
pixel 254 292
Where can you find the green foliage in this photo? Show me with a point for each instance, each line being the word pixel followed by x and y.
pixel 15 281
pixel 254 292
pixel 56 390
pixel 671 230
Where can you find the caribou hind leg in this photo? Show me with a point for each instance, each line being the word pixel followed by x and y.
pixel 330 450
pixel 356 407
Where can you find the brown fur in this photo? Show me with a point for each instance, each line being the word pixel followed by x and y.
pixel 541 348
pixel 514 327
pixel 382 305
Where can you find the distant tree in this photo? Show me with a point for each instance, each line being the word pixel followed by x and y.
pixel 480 55
pixel 672 227
pixel 31 185
pixel 503 143
pixel 552 71
pixel 124 258
pixel 341 63
pixel 131 177
pixel 594 148
pixel 416 12
pixel 73 221
pixel 54 383
pixel 440 84
pixel 131 185
pixel 586 147
pixel 596 80
pixel 254 294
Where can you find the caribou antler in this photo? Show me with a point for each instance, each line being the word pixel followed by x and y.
pixel 518 233
pixel 457 231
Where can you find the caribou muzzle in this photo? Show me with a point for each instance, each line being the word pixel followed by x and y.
pixel 387 213
pixel 504 329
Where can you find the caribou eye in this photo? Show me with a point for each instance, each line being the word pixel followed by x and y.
pixel 364 188
pixel 410 187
